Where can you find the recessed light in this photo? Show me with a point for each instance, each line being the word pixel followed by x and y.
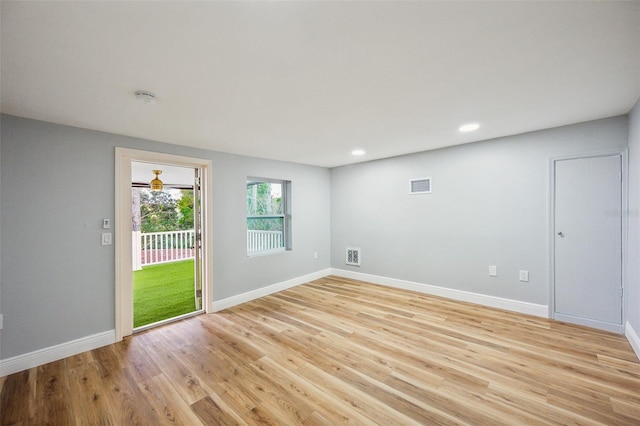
pixel 470 127
pixel 146 97
pixel 357 152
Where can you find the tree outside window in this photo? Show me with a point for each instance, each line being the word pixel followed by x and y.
pixel 267 216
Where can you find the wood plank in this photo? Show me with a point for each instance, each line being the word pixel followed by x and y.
pixel 51 386
pixel 88 395
pixel 326 406
pixel 167 402
pixel 127 403
pixel 17 400
pixel 210 413
pixel 186 382
pixel 360 401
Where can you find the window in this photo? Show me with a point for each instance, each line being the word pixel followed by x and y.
pixel 268 216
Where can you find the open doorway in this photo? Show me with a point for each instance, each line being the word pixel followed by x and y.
pixel 126 239
pixel 166 255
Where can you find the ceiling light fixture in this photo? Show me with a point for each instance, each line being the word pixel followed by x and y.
pixel 470 127
pixel 156 183
pixel 357 152
pixel 145 97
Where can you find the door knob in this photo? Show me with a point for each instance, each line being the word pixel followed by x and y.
pixel 560 234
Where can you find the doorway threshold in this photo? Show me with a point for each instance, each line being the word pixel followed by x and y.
pixel 167 321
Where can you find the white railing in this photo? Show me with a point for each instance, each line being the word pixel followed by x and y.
pixel 163 247
pixel 263 240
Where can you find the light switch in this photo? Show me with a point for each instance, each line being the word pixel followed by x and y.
pixel 493 271
pixel 524 276
pixel 106 238
pixel 106 224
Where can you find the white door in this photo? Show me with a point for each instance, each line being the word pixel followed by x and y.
pixel 588 241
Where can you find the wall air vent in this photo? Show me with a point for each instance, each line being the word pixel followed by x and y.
pixel 420 186
pixel 353 256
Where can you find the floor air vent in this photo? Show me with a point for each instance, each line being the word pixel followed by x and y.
pixel 420 186
pixel 353 256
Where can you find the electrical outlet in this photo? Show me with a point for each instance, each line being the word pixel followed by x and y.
pixel 106 224
pixel 524 276
pixel 106 238
pixel 315 254
pixel 493 271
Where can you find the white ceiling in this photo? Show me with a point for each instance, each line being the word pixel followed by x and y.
pixel 170 176
pixel 310 81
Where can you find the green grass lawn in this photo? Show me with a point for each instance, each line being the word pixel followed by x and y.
pixel 162 291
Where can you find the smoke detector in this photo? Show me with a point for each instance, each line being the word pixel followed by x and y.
pixel 146 97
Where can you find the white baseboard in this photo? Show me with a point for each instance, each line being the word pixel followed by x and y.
pixel 633 339
pixel 465 296
pixel 219 305
pixel 54 353
pixel 600 325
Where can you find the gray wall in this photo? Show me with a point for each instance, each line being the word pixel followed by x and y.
pixel 489 206
pixel 633 254
pixel 57 185
pixel 0 234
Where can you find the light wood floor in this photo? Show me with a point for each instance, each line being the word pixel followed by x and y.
pixel 340 351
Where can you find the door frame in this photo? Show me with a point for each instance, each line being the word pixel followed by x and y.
pixel 123 265
pixel 623 153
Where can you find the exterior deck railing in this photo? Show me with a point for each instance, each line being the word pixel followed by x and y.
pixel 162 247
pixel 263 240
pixel 171 246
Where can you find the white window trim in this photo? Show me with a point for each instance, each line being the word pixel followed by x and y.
pixel 286 216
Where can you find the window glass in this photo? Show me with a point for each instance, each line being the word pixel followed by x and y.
pixel 267 218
